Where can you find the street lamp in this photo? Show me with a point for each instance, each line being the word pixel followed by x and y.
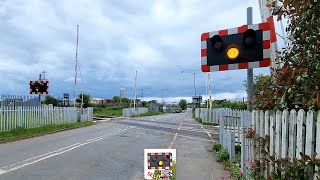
pixel 194 80
pixel 162 94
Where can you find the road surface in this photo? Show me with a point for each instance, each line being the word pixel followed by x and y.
pixel 113 150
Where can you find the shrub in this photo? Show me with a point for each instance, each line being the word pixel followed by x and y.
pixel 222 155
pixel 216 147
pixel 238 149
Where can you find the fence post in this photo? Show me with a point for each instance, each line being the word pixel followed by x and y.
pixel 310 141
pixel 317 141
pixel 243 143
pixel 232 146
pixel 19 116
pixel 221 129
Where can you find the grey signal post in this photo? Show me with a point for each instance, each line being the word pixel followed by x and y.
pixel 249 71
pixel 40 94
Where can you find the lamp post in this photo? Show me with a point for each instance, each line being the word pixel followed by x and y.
pixel 194 81
pixel 162 94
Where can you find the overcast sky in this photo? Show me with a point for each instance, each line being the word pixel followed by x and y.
pixel 158 38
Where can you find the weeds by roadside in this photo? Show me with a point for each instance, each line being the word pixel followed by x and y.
pixel 22 133
pixel 233 168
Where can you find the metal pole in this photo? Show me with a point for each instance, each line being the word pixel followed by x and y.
pixel 76 69
pixel 194 83
pixel 135 91
pixel 162 96
pixel 40 94
pixel 142 94
pixel 249 71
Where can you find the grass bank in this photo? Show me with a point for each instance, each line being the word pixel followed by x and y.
pixel 108 111
pixel 200 120
pixel 210 123
pixel 150 113
pixel 22 133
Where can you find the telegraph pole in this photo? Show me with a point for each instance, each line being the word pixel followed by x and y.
pixel 162 95
pixel 40 94
pixel 76 69
pixel 135 91
pixel 194 83
pixel 249 71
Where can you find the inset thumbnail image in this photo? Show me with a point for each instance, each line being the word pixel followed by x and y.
pixel 160 164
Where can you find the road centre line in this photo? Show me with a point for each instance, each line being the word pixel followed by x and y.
pixel 173 140
pixel 58 152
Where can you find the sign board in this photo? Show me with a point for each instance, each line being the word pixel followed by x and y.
pixel 39 87
pixel 159 163
pixel 66 95
pixel 196 99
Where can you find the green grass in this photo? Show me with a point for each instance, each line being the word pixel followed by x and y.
pixel 22 133
pixel 150 113
pixel 108 111
pixel 198 119
pixel 210 123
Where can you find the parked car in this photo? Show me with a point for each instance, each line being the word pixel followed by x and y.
pixel 177 110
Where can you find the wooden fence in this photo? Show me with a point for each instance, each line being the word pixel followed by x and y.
pixel 232 124
pixel 16 100
pixel 30 117
pixel 211 115
pixel 290 133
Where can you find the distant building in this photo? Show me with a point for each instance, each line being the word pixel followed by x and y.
pixel 96 101
pixel 156 107
pixel 122 92
pixel 100 101
pixel 171 107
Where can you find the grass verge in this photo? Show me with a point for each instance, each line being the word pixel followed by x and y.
pixel 22 133
pixel 210 123
pixel 108 111
pixel 150 113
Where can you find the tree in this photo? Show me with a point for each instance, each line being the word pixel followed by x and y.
pixel 153 101
pixel 116 99
pixel 144 103
pixel 125 100
pixel 50 100
pixel 86 100
pixel 183 104
pixel 296 85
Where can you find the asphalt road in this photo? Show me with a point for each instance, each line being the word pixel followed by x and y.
pixel 113 150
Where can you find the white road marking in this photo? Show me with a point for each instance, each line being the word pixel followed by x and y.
pixel 166 126
pixel 190 130
pixel 14 164
pixel 180 127
pixel 191 124
pixel 173 140
pixel 205 130
pixel 60 151
pixel 177 135
pixel 105 120
pixel 115 162
pixel 195 138
pixel 212 176
pixel 2 171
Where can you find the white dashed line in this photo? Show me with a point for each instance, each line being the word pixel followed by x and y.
pixel 2 171
pixel 173 140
